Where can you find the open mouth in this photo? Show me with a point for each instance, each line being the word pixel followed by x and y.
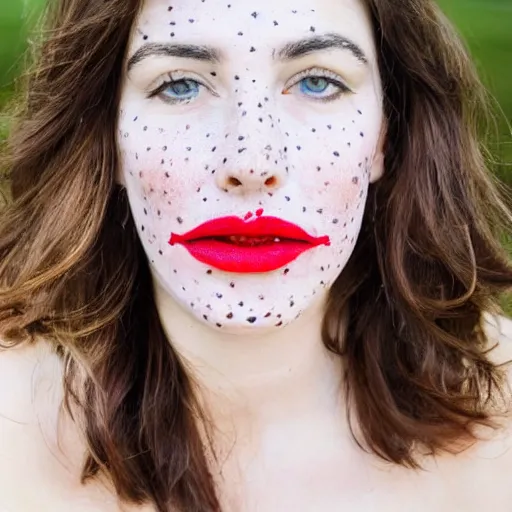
pixel 234 245
pixel 250 241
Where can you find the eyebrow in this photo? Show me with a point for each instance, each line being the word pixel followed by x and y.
pixel 312 44
pixel 289 51
pixel 184 51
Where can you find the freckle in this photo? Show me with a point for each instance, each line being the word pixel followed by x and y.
pixel 167 175
pixel 299 148
pixel 241 150
pixel 209 271
pixel 252 49
pixel 355 180
pixel 268 314
pixel 279 324
pixel 225 160
pixel 335 221
pixel 175 271
pixel 213 73
pixel 361 134
pixel 229 315
pixel 172 34
pixel 251 319
pixel 329 126
pixel 260 119
pixel 292 303
pixel 145 38
pixel 254 14
pixel 205 199
pixel 335 153
pixel 359 112
pixel 170 8
pixel 219 295
pixel 218 325
pixel 232 284
pixel 135 118
pixel 240 33
pixel 161 253
pixel 275 23
pixel 287 198
pixel 205 317
pixel 241 137
pixel 214 148
pixel 180 220
pixel 320 210
pixel 189 148
pixel 145 128
pixel 241 304
pixel 286 271
pixel 191 20
pixel 312 29
pixel 145 211
pixel 142 228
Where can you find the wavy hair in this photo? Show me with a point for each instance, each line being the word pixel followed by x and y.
pixel 427 264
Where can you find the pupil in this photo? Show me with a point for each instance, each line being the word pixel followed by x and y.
pixel 180 88
pixel 316 84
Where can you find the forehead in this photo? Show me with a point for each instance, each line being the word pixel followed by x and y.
pixel 265 23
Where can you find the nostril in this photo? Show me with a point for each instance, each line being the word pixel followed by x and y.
pixel 235 182
pixel 271 182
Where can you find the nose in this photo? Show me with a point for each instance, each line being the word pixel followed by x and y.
pixel 255 155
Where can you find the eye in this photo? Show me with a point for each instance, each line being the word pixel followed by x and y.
pixel 319 84
pixel 182 90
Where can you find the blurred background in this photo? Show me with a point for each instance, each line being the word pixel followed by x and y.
pixel 486 26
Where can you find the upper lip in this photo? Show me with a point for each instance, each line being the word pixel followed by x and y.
pixel 258 227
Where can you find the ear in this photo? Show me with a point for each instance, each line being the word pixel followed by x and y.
pixel 377 167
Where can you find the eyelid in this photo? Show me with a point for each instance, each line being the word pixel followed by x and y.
pixel 176 75
pixel 316 71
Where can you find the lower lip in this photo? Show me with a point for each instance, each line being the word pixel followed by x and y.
pixel 240 259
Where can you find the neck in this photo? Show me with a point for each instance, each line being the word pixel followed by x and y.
pixel 257 378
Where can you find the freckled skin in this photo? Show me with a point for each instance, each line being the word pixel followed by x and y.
pixel 250 141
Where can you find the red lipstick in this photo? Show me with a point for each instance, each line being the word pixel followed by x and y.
pixel 259 245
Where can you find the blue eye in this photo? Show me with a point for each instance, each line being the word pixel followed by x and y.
pixel 185 89
pixel 319 85
pixel 178 91
pixel 314 84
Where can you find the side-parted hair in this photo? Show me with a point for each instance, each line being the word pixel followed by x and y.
pixel 427 264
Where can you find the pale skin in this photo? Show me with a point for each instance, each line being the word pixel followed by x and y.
pixel 253 341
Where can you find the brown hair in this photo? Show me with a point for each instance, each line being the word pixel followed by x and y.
pixel 427 263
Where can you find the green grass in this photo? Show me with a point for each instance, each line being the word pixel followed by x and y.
pixel 484 24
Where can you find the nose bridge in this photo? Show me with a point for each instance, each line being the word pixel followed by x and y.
pixel 259 143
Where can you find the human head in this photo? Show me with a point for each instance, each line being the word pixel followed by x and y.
pixel 424 267
pixel 278 114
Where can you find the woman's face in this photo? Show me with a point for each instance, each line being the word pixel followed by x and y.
pixel 249 133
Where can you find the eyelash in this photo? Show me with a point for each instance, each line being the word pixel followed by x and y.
pixel 330 77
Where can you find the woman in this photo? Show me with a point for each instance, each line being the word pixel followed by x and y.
pixel 252 263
